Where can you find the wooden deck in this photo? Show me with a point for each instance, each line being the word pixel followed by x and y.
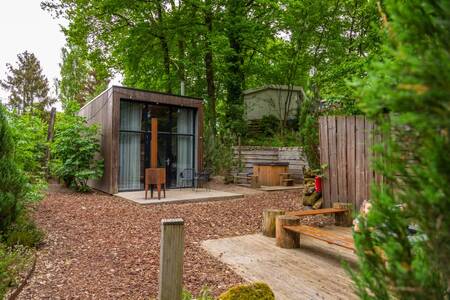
pixel 312 272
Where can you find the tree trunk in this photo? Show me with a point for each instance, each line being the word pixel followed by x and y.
pixel 269 217
pixel 209 69
pixel 285 238
pixel 165 50
pixel 235 78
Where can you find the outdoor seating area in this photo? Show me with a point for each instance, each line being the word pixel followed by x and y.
pixel 183 195
pixel 313 271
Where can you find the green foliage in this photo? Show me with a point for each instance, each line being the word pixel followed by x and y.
pixel 11 179
pixel 23 232
pixel 12 262
pixel 30 135
pixel 75 151
pixel 205 294
pixel 81 79
pixel 309 129
pixel 253 291
pixel 408 94
pixel 269 125
pixel 27 85
pixel 218 152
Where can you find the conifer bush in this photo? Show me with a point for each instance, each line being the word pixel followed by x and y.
pixel 11 179
pixel 408 94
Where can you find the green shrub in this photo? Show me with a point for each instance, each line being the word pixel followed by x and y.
pixel 204 294
pixel 23 232
pixel 253 291
pixel 12 262
pixel 218 152
pixel 30 138
pixel 11 180
pixel 309 129
pixel 34 191
pixel 75 152
pixel 408 94
pixel 269 125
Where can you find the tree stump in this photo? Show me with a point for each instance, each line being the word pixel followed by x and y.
pixel 254 182
pixel 285 238
pixel 346 218
pixel 268 225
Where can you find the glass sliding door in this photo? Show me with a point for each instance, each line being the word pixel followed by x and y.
pixel 176 142
pixel 185 141
pixel 131 142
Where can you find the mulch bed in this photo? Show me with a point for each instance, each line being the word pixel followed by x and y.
pixel 100 246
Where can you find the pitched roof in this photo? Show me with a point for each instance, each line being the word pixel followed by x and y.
pixel 273 87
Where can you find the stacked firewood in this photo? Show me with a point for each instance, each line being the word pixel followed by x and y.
pixel 311 197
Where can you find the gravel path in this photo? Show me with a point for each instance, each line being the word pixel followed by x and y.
pixel 100 246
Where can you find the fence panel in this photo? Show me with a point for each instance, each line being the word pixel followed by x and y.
pixel 345 147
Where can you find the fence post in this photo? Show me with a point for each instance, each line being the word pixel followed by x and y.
pixel 171 259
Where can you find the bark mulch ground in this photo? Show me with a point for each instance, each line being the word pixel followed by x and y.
pixel 99 246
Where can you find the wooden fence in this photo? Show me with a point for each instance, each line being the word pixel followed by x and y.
pixel 345 147
pixel 248 155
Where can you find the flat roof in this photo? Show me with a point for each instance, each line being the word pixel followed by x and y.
pixel 130 89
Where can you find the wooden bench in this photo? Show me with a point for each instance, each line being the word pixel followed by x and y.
pixel 326 236
pixel 288 229
pixel 285 179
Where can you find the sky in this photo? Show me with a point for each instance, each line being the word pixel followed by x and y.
pixel 25 26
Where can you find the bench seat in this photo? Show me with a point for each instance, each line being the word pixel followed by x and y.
pixel 322 211
pixel 323 235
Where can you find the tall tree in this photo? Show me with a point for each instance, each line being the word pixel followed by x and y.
pixel 80 79
pixel 27 86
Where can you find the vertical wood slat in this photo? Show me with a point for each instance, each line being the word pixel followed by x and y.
pixel 341 148
pixel 360 185
pixel 368 142
pixel 345 146
pixel 171 259
pixel 377 140
pixel 332 158
pixel 351 160
pixel 324 160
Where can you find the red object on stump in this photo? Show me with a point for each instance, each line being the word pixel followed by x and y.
pixel 318 184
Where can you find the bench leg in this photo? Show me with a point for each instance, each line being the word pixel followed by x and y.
pixel 346 218
pixel 285 238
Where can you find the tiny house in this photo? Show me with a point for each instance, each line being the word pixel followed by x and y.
pixel 125 116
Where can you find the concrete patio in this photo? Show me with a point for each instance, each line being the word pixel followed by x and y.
pixel 186 195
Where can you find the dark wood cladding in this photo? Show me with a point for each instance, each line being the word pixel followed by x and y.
pixel 99 111
pixel 105 110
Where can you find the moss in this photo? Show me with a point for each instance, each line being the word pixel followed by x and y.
pixel 254 291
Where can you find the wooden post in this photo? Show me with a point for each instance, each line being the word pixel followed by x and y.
pixel 285 238
pixel 154 144
pixel 268 225
pixel 254 183
pixel 346 218
pixel 171 259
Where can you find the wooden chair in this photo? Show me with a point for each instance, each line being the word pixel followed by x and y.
pixel 155 177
